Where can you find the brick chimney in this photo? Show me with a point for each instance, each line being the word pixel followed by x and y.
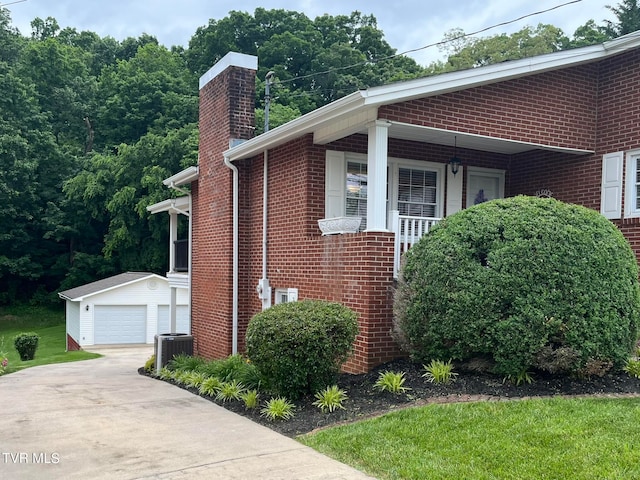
pixel 227 102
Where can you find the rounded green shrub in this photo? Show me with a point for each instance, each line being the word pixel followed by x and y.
pixel 298 347
pixel 26 344
pixel 524 281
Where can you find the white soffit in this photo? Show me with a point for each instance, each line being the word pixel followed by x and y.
pixel 173 204
pixel 405 131
pixel 187 175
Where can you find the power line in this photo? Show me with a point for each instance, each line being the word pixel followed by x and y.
pixel 11 3
pixel 442 42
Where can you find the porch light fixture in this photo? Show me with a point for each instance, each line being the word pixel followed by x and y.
pixel 455 162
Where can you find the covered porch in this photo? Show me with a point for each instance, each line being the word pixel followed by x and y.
pixel 408 196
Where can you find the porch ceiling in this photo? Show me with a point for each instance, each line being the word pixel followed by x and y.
pixel 471 141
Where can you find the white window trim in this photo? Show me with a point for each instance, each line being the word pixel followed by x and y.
pixel 484 172
pixel 394 165
pixel 286 295
pixel 631 210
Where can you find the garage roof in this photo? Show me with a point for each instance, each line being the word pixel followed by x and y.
pixel 79 293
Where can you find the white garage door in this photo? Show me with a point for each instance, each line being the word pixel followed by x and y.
pixel 115 324
pixel 182 319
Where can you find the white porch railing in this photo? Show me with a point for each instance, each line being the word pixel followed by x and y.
pixel 407 231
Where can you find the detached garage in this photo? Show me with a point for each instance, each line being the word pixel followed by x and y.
pixel 130 308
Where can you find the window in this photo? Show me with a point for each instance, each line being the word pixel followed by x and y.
pixel 286 295
pixel 413 187
pixel 417 192
pixel 632 199
pixel 356 193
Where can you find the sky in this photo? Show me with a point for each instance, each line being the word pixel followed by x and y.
pixel 407 24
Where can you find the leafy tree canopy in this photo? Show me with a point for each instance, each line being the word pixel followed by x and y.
pixel 90 125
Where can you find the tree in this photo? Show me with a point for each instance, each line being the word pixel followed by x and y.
pixel 588 34
pixel 64 88
pixel 116 188
pixel 628 15
pixel 467 52
pixel 151 91
pixel 31 173
pixel 315 62
pixel 525 283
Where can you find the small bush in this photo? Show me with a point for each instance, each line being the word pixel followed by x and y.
pixel 330 399
pixel 194 379
pixel 165 374
pixel 210 386
pixel 439 372
pixel 234 367
pixel 633 367
pixel 250 399
pixel 26 345
pixel 391 382
pixel 298 347
pixel 150 364
pixel 531 283
pixel 278 409
pixel 185 362
pixel 181 377
pixel 4 360
pixel 519 378
pixel 230 391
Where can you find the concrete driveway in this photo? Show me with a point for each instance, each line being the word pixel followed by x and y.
pixel 99 419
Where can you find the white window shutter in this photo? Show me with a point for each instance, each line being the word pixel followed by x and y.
pixel 454 191
pixel 611 194
pixel 335 184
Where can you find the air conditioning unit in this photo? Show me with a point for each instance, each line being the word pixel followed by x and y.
pixel 167 345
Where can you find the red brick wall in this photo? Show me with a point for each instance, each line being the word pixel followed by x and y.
pixel 556 108
pixel 355 270
pixel 72 345
pixel 226 112
pixel 619 120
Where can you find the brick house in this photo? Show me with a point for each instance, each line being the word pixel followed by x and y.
pixel 566 125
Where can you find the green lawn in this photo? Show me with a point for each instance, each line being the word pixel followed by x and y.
pixel 49 324
pixel 558 438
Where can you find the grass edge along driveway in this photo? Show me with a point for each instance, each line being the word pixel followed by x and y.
pixel 49 324
pixel 556 438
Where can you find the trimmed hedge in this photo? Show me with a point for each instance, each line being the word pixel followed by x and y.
pixel 26 344
pixel 526 282
pixel 298 347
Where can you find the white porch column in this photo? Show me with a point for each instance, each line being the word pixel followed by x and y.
pixel 377 176
pixel 173 236
pixel 173 324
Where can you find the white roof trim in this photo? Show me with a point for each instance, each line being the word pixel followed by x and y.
pixel 187 175
pixel 83 297
pixel 295 128
pixel 178 205
pixel 430 86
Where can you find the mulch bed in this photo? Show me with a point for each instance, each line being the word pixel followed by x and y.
pixel 364 401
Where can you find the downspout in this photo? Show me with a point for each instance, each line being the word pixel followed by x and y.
pixel 189 216
pixel 234 307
